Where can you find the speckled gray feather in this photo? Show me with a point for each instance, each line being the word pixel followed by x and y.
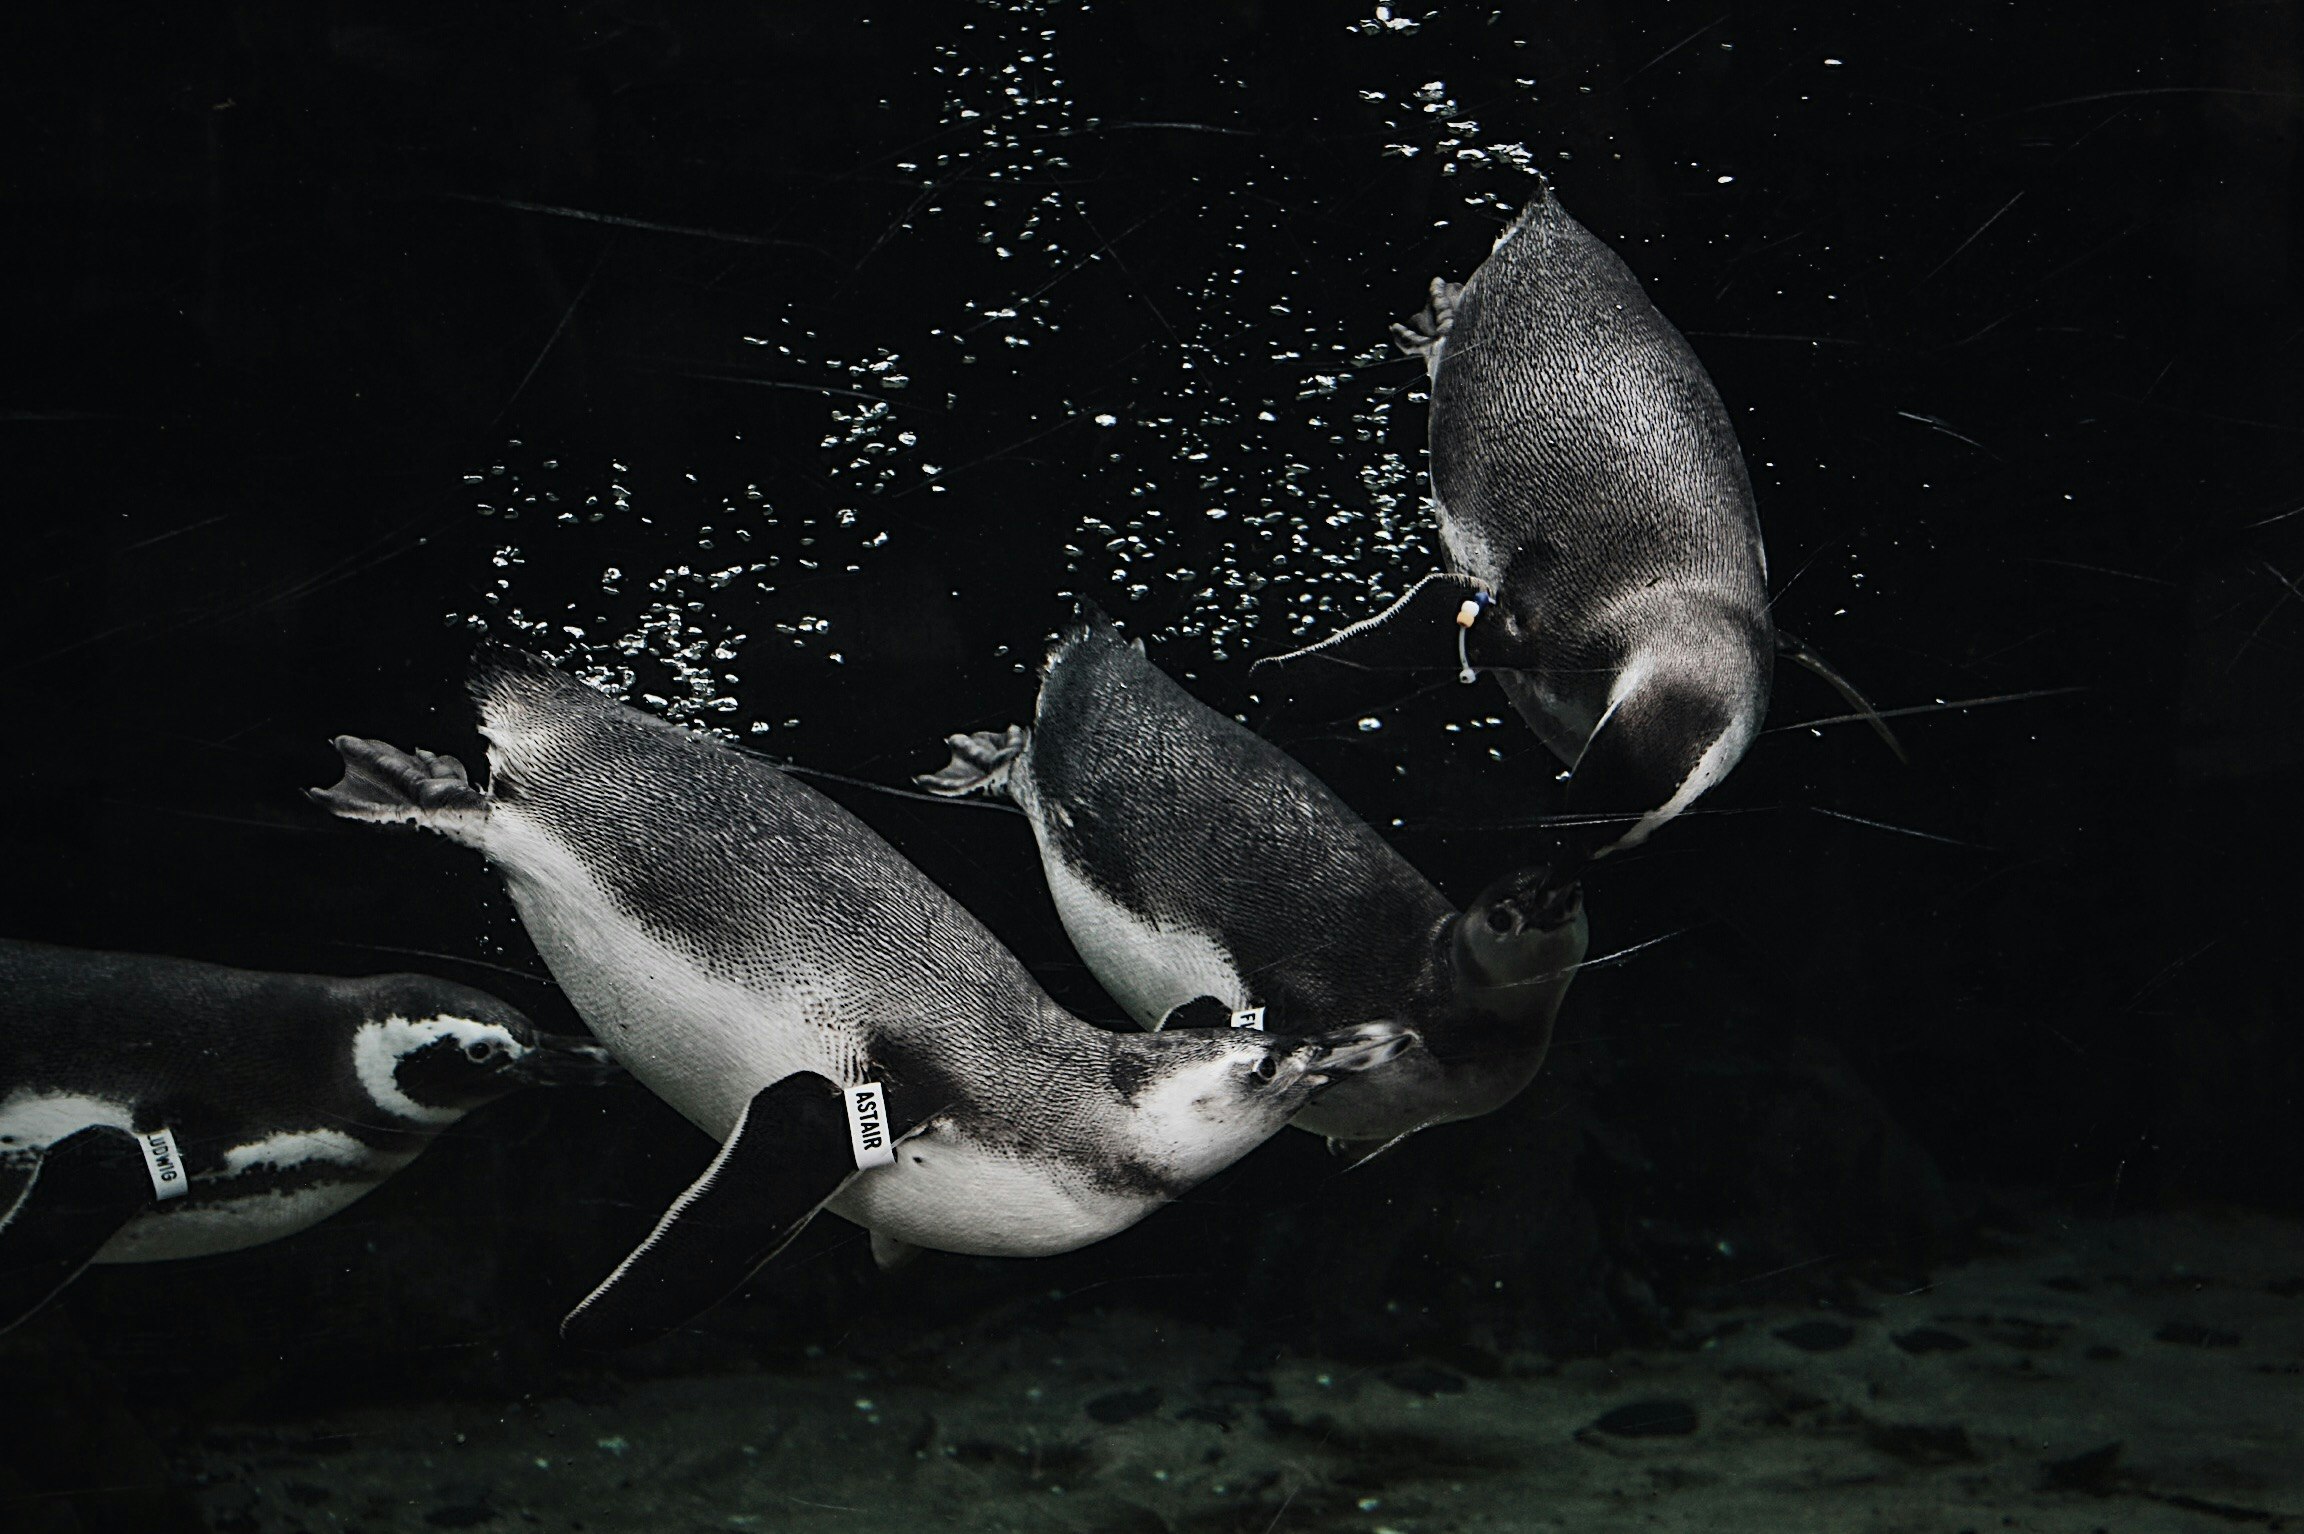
pixel 1190 821
pixel 1586 470
pixel 752 875
pixel 755 876
pixel 1181 814
pixel 730 933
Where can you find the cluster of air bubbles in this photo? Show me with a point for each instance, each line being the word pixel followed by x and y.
pixel 1004 177
pixel 876 446
pixel 1428 120
pixel 1260 489
pixel 1248 502
pixel 1390 19
pixel 1254 479
pixel 1281 517
pixel 504 495
pixel 872 446
pixel 673 641
pixel 1289 513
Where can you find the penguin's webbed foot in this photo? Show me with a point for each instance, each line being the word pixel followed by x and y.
pixel 1421 336
pixel 383 783
pixel 979 764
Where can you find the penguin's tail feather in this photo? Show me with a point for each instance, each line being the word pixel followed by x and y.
pixel 1793 647
pixel 389 786
pixel 1088 621
pixel 516 690
pixel 980 763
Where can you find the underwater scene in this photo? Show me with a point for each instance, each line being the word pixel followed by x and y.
pixel 1265 768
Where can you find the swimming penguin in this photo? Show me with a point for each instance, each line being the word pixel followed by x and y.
pixel 786 980
pixel 153 1108
pixel 1193 862
pixel 1589 486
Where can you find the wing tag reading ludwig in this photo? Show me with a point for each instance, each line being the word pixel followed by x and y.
pixel 163 1161
pixel 1249 1017
pixel 868 1133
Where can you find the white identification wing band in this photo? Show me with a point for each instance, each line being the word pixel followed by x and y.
pixel 868 1135
pixel 1249 1017
pixel 166 1165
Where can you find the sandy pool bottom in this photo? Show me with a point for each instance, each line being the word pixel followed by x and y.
pixel 2124 1375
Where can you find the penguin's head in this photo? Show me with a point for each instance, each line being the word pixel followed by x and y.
pixel 434 1069
pixel 1515 949
pixel 1220 1092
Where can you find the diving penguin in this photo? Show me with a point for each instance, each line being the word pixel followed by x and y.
pixel 853 1038
pixel 154 1108
pixel 1586 479
pixel 1190 859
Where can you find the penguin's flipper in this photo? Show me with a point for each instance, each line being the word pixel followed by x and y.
pixel 385 784
pixel 19 1170
pixel 1421 336
pixel 1793 647
pixel 789 1153
pixel 1356 1154
pixel 78 1193
pixel 890 1253
pixel 979 764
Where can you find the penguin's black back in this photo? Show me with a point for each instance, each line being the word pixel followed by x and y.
pixel 1571 422
pixel 1183 815
pixel 747 871
pixel 220 1056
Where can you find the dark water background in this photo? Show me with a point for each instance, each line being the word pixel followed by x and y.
pixel 2004 304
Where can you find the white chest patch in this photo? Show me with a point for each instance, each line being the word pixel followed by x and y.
pixel 703 1043
pixel 205 1225
pixel 1199 1120
pixel 294 1148
pixel 951 1194
pixel 1150 969
pixel 32 1119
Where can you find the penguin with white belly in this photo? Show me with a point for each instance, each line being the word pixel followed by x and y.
pixel 155 1108
pixel 853 1037
pixel 1192 861
pixel 1590 491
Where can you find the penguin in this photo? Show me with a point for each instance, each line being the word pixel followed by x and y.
pixel 1589 488
pixel 154 1108
pixel 1195 864
pixel 851 1036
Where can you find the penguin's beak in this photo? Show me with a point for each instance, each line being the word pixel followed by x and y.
pixel 1348 1051
pixel 559 1060
pixel 1541 898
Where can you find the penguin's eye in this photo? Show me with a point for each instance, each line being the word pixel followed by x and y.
pixel 1266 1069
pixel 477 1053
